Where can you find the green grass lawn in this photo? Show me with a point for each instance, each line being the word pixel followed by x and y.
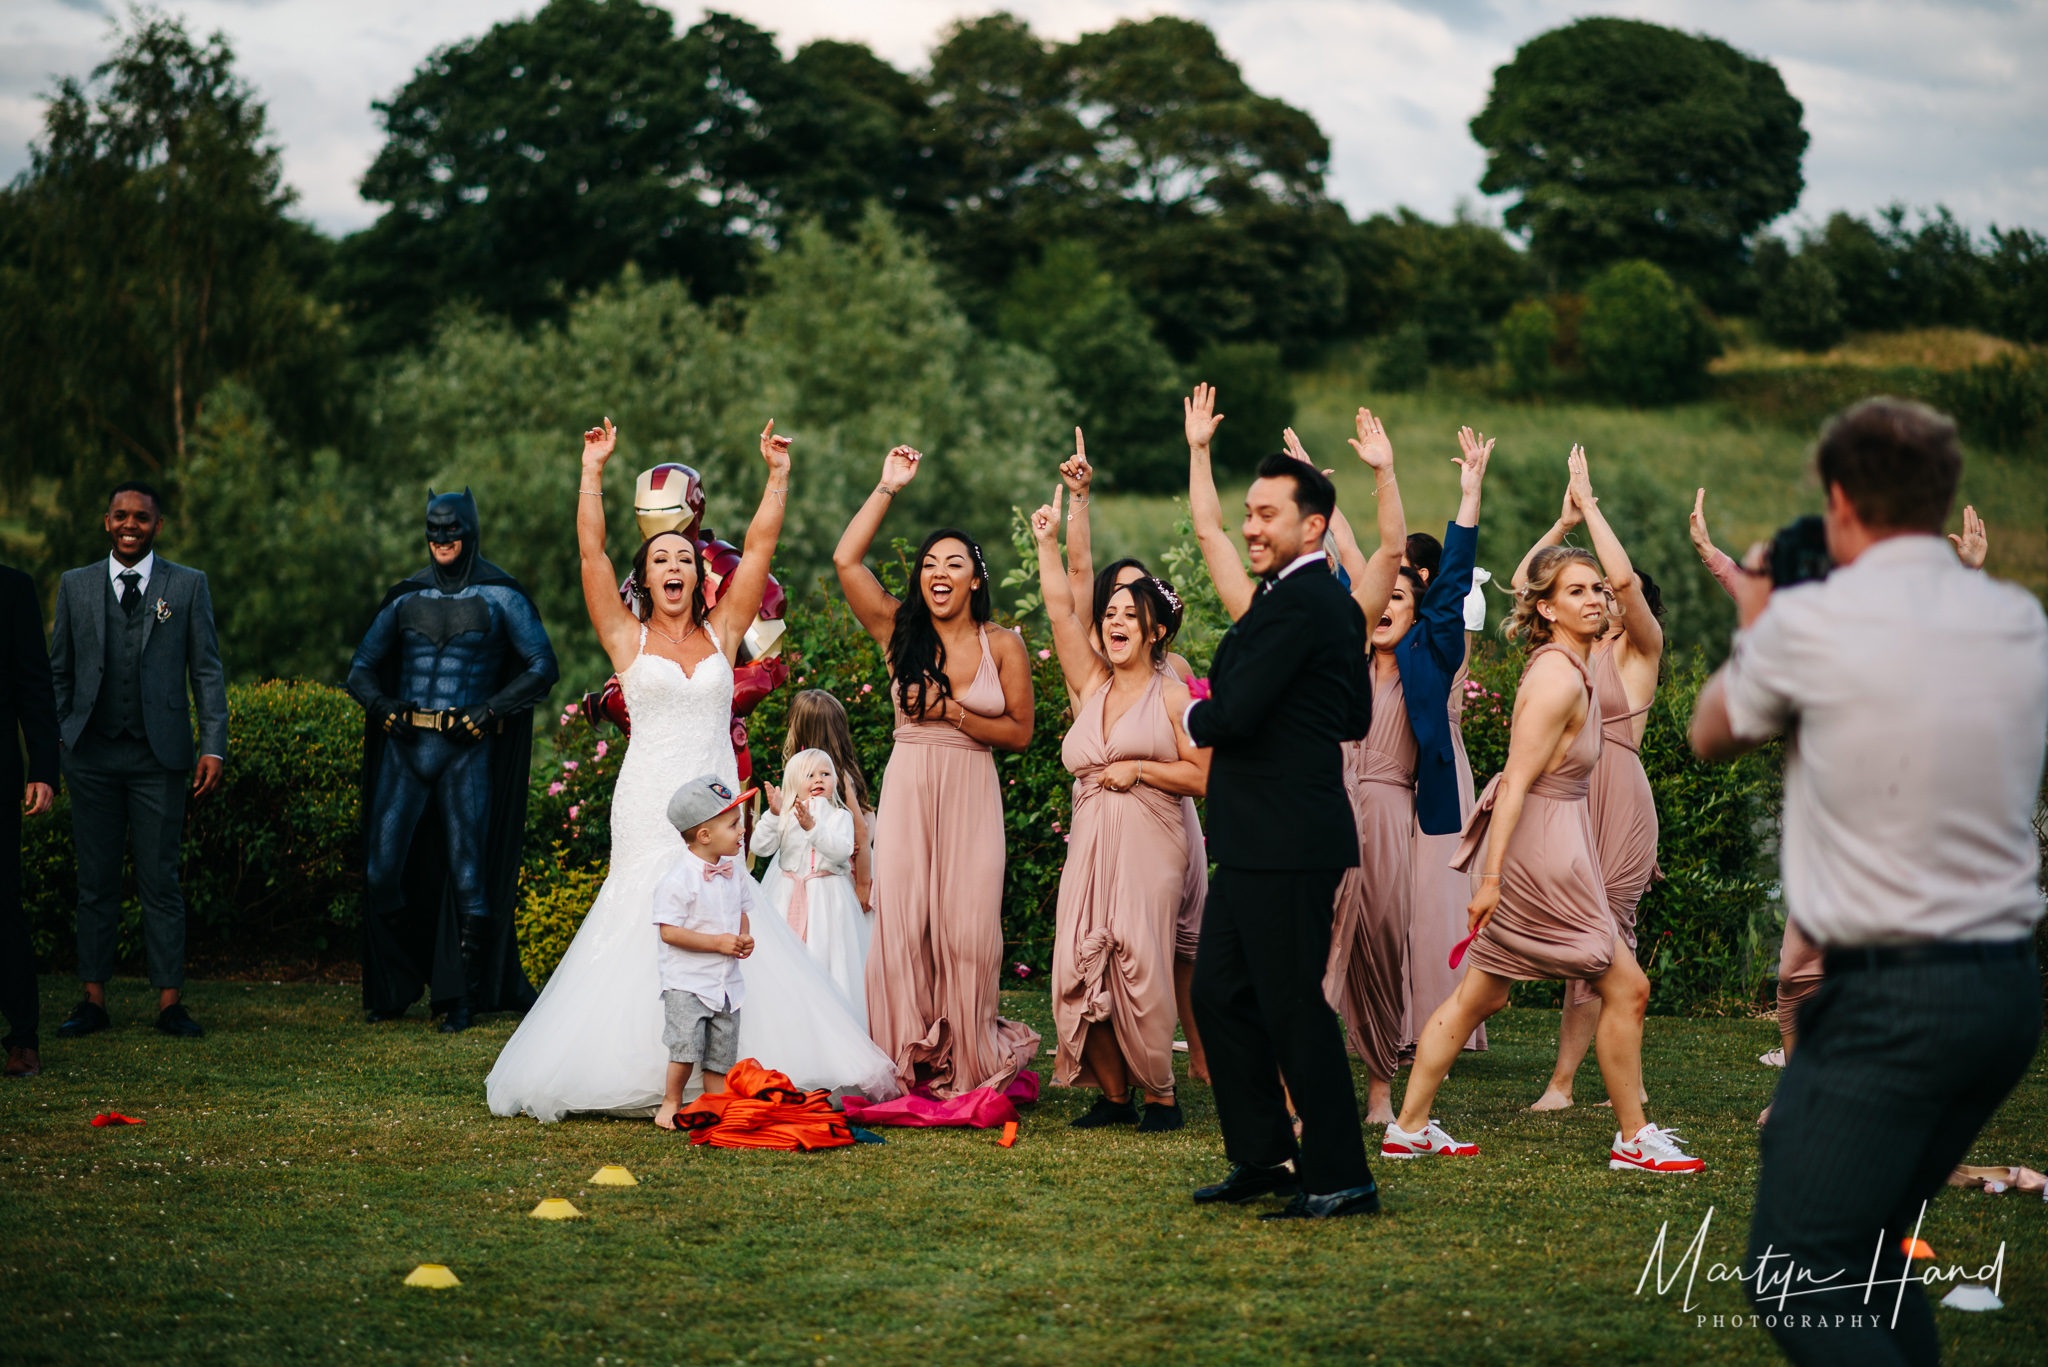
pixel 297 1164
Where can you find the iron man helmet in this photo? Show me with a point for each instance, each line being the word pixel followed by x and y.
pixel 668 498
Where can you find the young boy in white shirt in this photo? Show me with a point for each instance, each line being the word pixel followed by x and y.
pixel 701 909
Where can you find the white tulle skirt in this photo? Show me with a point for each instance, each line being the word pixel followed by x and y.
pixel 838 934
pixel 593 1040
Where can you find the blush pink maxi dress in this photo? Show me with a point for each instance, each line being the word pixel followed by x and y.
pixel 1120 897
pixel 938 939
pixel 1553 920
pixel 1623 808
pixel 1367 968
pixel 1437 912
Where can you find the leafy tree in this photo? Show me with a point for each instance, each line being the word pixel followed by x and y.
pixel 1402 366
pixel 1453 280
pixel 1802 306
pixel 1627 140
pixel 1125 386
pixel 2016 281
pixel 1644 338
pixel 1527 335
pixel 1254 391
pixel 145 257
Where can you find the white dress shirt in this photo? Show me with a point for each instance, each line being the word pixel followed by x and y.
pixel 143 567
pixel 1915 692
pixel 710 906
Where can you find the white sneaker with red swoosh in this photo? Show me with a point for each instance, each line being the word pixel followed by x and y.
pixel 1431 1141
pixel 1652 1150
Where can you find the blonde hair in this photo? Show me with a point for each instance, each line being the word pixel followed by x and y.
pixel 817 721
pixel 802 765
pixel 1545 567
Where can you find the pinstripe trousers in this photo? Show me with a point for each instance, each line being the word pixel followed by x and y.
pixel 1896 1071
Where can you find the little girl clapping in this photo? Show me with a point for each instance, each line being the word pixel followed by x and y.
pixel 809 831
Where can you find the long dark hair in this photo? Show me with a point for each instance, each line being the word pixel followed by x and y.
pixel 917 657
pixel 1156 608
pixel 1105 585
pixel 643 601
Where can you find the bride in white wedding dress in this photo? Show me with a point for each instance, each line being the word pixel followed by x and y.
pixel 593 1040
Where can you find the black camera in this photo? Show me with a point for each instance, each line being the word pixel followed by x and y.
pixel 1799 553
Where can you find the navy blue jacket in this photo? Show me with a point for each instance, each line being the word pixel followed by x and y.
pixel 1429 657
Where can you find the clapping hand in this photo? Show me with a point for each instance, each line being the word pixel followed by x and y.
pixel 800 808
pixel 774 450
pixel 1076 472
pixel 598 443
pixel 1973 545
pixel 1046 521
pixel 1579 487
pixel 899 467
pixel 774 797
pixel 1478 450
pixel 1371 442
pixel 1201 416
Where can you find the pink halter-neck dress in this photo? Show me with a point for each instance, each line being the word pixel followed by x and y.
pixel 1194 884
pixel 1553 920
pixel 1367 967
pixel 1623 808
pixel 1436 920
pixel 1120 895
pixel 938 939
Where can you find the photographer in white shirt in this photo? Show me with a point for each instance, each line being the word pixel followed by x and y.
pixel 1914 693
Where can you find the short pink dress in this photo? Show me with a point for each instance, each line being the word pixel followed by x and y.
pixel 933 964
pixel 1120 894
pixel 1367 967
pixel 1623 808
pixel 1553 920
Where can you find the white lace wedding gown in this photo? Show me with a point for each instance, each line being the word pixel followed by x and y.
pixel 593 1040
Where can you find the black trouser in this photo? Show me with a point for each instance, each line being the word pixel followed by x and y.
pixel 1258 995
pixel 119 792
pixel 1896 1071
pixel 17 955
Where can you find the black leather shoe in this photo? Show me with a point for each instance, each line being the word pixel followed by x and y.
pixel 1248 1182
pixel 1159 1119
pixel 87 1018
pixel 1107 1112
pixel 174 1020
pixel 1363 1200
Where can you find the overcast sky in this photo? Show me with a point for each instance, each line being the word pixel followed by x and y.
pixel 1920 102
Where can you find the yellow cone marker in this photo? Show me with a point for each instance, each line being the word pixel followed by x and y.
pixel 431 1274
pixel 555 1208
pixel 612 1175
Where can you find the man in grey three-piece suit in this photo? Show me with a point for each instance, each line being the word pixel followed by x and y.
pixel 130 631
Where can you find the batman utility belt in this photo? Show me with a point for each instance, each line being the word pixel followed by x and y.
pixel 452 721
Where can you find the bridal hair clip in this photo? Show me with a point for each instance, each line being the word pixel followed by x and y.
pixel 1166 592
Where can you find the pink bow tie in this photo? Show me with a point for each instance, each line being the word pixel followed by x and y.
pixel 722 869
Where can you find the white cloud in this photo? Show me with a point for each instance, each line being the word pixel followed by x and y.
pixel 1920 102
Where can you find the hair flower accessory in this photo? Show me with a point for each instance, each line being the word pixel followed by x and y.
pixel 1166 592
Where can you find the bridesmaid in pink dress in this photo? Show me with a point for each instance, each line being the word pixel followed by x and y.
pixel 1625 664
pixel 958 690
pixel 1090 587
pixel 1120 892
pixel 1541 908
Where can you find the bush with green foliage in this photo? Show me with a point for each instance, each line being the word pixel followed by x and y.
pixel 1707 931
pixel 1644 339
pixel 1802 307
pixel 1527 336
pixel 1255 393
pixel 2002 403
pixel 1402 366
pixel 1452 280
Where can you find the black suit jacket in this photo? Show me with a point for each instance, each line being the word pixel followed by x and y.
pixel 1289 683
pixel 26 700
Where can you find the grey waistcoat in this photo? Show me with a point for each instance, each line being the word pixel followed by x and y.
pixel 118 710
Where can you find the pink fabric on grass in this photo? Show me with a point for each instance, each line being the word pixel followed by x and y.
pixel 983 1108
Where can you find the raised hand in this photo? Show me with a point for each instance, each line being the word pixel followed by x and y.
pixel 1696 526
pixel 1075 472
pixel 899 467
pixel 774 795
pixel 597 445
pixel 774 450
pixel 1579 487
pixel 1297 450
pixel 1045 522
pixel 1478 450
pixel 800 808
pixel 1371 442
pixel 1200 415
pixel 1973 545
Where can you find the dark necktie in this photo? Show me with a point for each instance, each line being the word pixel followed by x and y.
pixel 131 591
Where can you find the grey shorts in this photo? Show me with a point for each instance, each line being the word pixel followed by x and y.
pixel 694 1033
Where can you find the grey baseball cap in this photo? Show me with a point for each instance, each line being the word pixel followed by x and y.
pixel 702 798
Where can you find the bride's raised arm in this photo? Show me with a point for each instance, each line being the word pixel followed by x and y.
pixel 618 630
pixel 739 602
pixel 874 605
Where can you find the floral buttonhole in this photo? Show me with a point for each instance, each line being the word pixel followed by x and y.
pixel 163 611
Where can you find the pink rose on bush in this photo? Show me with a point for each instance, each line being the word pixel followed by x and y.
pixel 575 809
pixel 601 748
pixel 1045 654
pixel 568 764
pixel 554 789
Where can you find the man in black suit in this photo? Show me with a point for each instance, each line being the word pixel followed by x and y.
pixel 132 631
pixel 1288 684
pixel 25 704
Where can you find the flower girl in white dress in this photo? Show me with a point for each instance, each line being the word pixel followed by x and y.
pixel 808 835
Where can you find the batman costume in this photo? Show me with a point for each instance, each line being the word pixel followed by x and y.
pixel 448 674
